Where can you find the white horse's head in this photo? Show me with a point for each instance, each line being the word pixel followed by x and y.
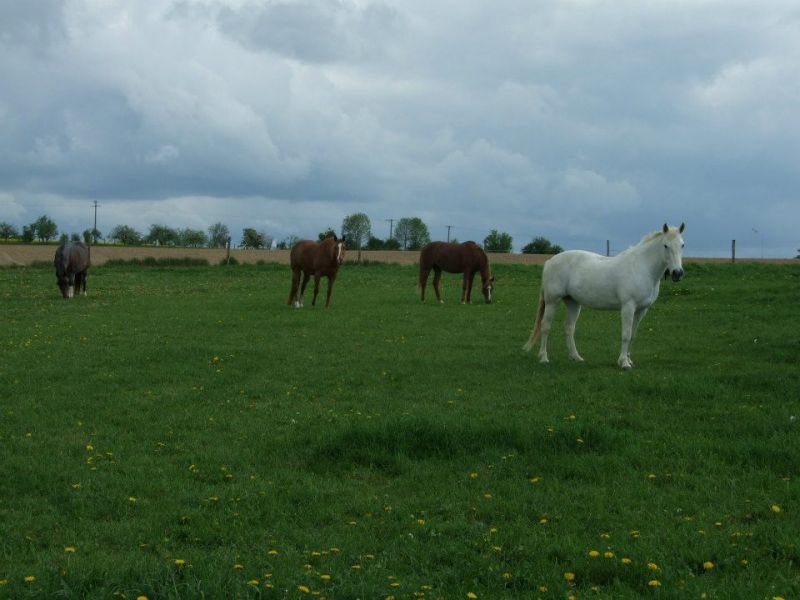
pixel 673 251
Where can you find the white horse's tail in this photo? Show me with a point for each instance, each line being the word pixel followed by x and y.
pixel 537 329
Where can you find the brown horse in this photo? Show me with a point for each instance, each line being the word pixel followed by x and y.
pixel 71 263
pixel 318 259
pixel 467 258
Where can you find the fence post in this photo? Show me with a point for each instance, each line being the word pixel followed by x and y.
pixel 733 250
pixel 608 247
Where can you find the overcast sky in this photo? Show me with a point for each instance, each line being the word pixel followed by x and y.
pixel 578 120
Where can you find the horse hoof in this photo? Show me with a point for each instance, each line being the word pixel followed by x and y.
pixel 576 358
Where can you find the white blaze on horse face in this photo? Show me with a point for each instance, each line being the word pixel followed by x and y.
pixel 339 252
pixel 673 247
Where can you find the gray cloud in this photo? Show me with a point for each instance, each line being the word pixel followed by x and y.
pixel 581 121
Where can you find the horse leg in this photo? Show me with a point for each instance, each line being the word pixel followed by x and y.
pixel 437 278
pixel 627 314
pixel 423 281
pixel 466 287
pixel 71 292
pixel 573 312
pixel 317 277
pixel 306 277
pixel 331 279
pixel 293 291
pixel 637 318
pixel 547 321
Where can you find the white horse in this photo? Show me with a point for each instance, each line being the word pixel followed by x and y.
pixel 629 282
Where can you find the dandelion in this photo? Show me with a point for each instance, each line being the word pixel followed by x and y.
pixel 651 475
pixel 542 589
pixel 708 565
pixel 70 549
pixel 30 579
pixel 273 552
pixel 653 566
pixel 141 597
pixel 569 576
pixel 776 508
pixel 744 562
pixel 608 554
pixel 76 486
pixel 594 553
pixel 3 581
pixel 179 562
pixel 252 582
pixel 132 499
pixel 543 521
pixel 421 522
pixel 304 589
pixel 325 577
pixel 473 475
pixel 238 567
pixel 472 596
pixel 535 480
pixel 626 561
pixel 654 583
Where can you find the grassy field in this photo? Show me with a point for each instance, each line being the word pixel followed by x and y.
pixel 182 433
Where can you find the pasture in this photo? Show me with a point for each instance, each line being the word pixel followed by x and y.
pixel 182 433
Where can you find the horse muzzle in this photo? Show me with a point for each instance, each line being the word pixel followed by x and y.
pixel 677 274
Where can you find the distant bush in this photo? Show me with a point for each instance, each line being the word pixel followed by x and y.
pixel 231 260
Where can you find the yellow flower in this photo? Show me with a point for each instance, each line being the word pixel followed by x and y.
pixel 3 581
pixel 776 508
pixel 30 579
pixel 238 567
pixel 654 583
pixel 594 553
pixel 179 562
pixel 608 554
pixel 626 561
pixel 303 588
pixel 569 576
pixel 472 596
pixel 542 589
pixel 76 486
pixel 325 577
pixel 141 597
pixel 132 499
pixel 653 566
pixel 273 552
pixel 708 565
pixel 473 475
pixel 253 582
pixel 420 522
pixel 70 549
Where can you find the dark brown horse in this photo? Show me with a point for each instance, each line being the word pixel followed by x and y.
pixel 467 258
pixel 318 259
pixel 71 263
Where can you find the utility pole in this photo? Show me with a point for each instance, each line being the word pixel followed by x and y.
pixel 391 224
pixel 448 232
pixel 94 229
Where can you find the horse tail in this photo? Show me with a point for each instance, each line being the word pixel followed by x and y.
pixel 537 329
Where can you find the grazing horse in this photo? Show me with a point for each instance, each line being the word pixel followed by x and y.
pixel 71 263
pixel 318 259
pixel 629 282
pixel 467 258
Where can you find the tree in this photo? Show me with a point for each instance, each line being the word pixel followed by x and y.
pixel 497 242
pixel 191 238
pixel 327 233
pixel 28 233
pixel 253 239
pixel 411 233
pixel 541 245
pixel 7 230
pixel 218 235
pixel 44 228
pixel 288 242
pixel 90 236
pixel 356 229
pixel 161 235
pixel 125 235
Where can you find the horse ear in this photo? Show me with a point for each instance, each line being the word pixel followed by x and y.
pixel 682 227
pixel 666 228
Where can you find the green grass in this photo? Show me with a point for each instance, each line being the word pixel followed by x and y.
pixel 384 447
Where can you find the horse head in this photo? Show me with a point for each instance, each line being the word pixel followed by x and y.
pixel 673 251
pixel 488 289
pixel 60 262
pixel 338 249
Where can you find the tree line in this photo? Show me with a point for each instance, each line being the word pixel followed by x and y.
pixel 409 233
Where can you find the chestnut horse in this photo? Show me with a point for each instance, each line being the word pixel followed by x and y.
pixel 467 258
pixel 71 263
pixel 318 259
